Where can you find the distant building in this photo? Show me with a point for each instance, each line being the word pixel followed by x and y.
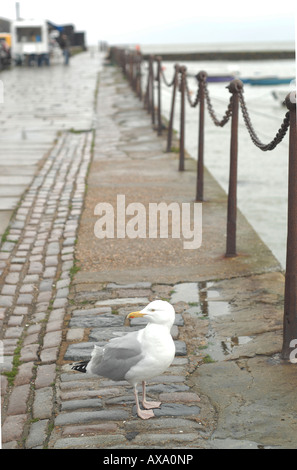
pixel 79 39
pixel 4 25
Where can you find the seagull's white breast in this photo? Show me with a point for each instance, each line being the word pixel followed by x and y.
pixel 158 353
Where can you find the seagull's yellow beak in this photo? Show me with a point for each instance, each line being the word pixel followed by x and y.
pixel 135 314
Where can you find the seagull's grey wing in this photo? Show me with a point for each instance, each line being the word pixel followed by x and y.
pixel 120 354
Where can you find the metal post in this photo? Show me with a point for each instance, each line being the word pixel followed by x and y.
pixel 149 85
pixel 234 87
pixel 182 120
pixel 139 61
pixel 170 127
pixel 201 77
pixel 146 95
pixel 158 59
pixel 132 70
pixel 135 67
pixel 290 307
pixel 124 61
pixel 152 87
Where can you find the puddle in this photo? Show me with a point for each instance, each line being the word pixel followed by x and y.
pixel 218 308
pixel 213 306
pixel 229 343
pixel 219 348
pixel 210 303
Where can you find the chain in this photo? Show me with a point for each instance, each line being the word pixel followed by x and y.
pixel 197 99
pixel 277 139
pixel 228 112
pixel 164 79
pixel 221 123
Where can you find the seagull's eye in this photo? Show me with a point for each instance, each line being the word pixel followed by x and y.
pixel 152 310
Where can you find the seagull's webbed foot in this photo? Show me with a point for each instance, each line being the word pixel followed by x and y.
pixel 148 405
pixel 145 414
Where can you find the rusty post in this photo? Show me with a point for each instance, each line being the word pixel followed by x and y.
pixel 123 58
pixel 146 95
pixel 170 126
pixel 158 79
pixel 133 83
pixel 290 305
pixel 152 90
pixel 183 70
pixel 131 69
pixel 136 73
pixel 149 88
pixel 201 77
pixel 139 61
pixel 234 87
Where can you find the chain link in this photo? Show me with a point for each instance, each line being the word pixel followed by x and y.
pixel 227 114
pixel 277 139
pixel 193 104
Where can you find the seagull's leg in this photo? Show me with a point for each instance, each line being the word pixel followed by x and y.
pixel 148 404
pixel 143 414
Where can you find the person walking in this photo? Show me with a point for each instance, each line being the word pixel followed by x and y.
pixel 65 46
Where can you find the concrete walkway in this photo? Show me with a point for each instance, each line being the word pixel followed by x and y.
pixel 63 290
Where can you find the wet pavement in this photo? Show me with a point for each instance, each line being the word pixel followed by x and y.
pixel 39 102
pixel 63 290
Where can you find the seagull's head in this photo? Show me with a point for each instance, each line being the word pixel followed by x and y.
pixel 158 311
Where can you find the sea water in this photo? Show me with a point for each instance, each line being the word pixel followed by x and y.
pixel 262 176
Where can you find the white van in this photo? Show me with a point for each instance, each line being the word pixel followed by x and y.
pixel 30 41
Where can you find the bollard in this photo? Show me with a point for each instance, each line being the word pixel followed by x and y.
pixel 290 304
pixel 170 127
pixel 234 87
pixel 182 119
pixel 158 79
pixel 201 77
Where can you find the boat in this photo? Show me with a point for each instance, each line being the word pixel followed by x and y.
pixel 219 78
pixel 262 81
pixel 215 78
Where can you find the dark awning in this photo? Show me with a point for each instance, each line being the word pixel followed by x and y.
pixel 55 26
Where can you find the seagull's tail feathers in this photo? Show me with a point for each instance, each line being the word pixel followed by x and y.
pixel 95 361
pixel 80 366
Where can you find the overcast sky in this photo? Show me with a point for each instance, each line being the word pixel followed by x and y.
pixel 166 21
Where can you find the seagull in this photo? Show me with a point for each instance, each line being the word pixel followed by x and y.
pixel 138 356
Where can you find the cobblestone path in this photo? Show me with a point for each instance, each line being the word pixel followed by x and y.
pixel 36 267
